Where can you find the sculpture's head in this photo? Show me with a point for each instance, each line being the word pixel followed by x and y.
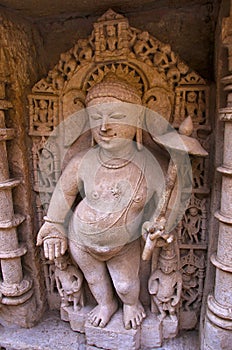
pixel 115 113
pixel 193 211
pixel 62 262
pixel 167 261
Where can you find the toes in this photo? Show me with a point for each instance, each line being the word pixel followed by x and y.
pixel 102 324
pixel 96 323
pixel 128 325
pixel 134 323
pixel 138 320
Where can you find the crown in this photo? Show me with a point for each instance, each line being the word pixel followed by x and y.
pixel 113 86
pixel 168 255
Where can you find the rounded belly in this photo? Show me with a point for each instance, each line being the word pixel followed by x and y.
pixel 94 228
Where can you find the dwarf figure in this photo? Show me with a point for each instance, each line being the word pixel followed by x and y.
pixel 69 283
pixel 165 285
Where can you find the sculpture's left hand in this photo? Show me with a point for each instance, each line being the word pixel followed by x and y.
pixel 154 230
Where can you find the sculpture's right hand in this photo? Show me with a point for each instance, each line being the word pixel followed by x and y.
pixel 54 248
pixel 53 238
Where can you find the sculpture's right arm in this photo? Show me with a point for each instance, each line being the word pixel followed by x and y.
pixel 52 234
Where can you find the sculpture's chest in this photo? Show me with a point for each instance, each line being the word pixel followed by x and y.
pixel 116 187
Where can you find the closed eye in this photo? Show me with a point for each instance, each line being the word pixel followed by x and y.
pixel 95 116
pixel 117 116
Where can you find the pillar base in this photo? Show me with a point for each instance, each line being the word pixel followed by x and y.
pixel 216 337
pixel 218 326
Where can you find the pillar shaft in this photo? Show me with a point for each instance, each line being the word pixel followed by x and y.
pixel 218 322
pixel 14 289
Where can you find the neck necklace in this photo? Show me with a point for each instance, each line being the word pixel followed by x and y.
pixel 114 166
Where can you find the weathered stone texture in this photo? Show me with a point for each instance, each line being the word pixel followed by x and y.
pixel 18 41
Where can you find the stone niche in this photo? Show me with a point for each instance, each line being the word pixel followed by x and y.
pixel 166 86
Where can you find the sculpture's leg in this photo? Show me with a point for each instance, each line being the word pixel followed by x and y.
pixel 99 283
pixel 124 270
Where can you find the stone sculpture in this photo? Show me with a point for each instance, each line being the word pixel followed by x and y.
pixel 165 285
pixel 164 83
pixel 69 283
pixel 105 228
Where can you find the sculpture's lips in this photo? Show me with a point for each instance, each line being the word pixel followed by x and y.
pixel 106 137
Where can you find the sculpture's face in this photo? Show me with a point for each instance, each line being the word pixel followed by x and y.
pixel 167 267
pixel 61 263
pixel 113 123
pixel 110 30
pixel 193 211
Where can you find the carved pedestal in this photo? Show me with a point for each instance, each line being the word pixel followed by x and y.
pixel 149 335
pixel 218 326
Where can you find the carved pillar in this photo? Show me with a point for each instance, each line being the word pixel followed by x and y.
pixel 218 324
pixel 15 289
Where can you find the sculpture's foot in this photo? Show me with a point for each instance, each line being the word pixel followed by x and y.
pixel 133 315
pixel 101 314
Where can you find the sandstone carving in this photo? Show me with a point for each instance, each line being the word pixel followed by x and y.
pixel 15 287
pixel 120 65
pixel 165 285
pixel 69 283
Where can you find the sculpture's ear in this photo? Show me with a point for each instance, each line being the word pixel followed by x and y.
pixel 74 115
pixel 75 129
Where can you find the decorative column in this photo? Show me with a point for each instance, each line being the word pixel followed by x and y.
pixel 15 289
pixel 218 323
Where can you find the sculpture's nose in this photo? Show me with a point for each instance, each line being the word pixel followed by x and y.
pixel 105 123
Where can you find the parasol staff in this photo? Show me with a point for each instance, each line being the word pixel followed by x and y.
pixel 158 228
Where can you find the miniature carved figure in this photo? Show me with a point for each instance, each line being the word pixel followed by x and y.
pixel 111 37
pixel 198 172
pixel 69 283
pixel 86 51
pixel 102 40
pixel 105 228
pixel 195 106
pixel 165 286
pixel 46 169
pixel 192 224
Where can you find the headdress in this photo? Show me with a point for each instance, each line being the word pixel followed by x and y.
pixel 113 86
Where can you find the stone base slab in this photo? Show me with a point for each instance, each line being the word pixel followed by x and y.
pixel 52 333
pixel 76 319
pixel 151 332
pixel 114 336
pixel 169 327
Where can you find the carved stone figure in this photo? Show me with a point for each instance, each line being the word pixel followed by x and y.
pixel 165 285
pixel 119 187
pixel 192 224
pixel 111 37
pixel 104 231
pixel 69 283
pixel 190 284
